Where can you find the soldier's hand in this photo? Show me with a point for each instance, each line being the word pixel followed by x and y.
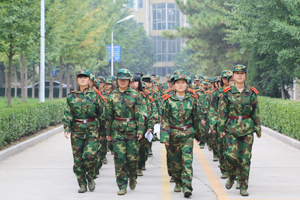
pixel 149 130
pixel 67 135
pixel 203 122
pixel 140 137
pixel 108 138
pixel 101 138
pixel 166 143
pixel 259 136
pixel 223 135
pixel 213 131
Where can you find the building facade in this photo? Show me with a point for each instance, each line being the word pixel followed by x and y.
pixel 156 16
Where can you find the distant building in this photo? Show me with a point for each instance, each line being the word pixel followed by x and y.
pixel 156 16
pixel 294 92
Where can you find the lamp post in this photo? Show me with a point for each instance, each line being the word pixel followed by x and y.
pixel 112 42
pixel 42 54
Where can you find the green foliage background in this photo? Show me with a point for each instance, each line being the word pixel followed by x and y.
pixel 280 115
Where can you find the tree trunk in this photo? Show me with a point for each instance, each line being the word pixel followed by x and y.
pixel 33 80
pixel 22 78
pixel 26 80
pixel 6 84
pixel 282 91
pixel 75 80
pixel 9 77
pixel 60 77
pixel 16 80
pixel 51 80
pixel 68 78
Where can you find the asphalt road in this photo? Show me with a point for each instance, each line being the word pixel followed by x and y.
pixel 44 172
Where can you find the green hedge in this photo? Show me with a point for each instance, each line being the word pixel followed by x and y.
pixel 281 115
pixel 26 119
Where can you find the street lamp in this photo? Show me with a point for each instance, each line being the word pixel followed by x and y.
pixel 112 42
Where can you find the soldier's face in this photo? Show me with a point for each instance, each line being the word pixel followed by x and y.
pixel 83 80
pixel 231 81
pixel 123 83
pixel 134 85
pixel 197 82
pixel 156 80
pixel 239 77
pixel 180 85
pixel 108 87
pixel 225 81
pixel 148 84
pixel 101 85
pixel 204 85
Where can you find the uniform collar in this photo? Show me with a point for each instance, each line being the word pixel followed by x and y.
pixel 234 90
pixel 129 89
pixel 174 96
pixel 89 90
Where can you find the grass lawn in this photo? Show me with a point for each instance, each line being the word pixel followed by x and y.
pixel 3 104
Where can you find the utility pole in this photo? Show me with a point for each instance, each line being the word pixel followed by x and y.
pixel 42 54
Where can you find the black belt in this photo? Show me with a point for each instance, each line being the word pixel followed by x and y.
pixel 184 128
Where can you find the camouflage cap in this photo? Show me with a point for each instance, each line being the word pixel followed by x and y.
pixel 168 76
pixel 83 72
pixel 239 68
pixel 171 78
pixel 108 81
pixel 100 79
pixel 123 74
pixel 177 72
pixel 92 76
pixel 226 74
pixel 113 77
pixel 201 76
pixel 157 77
pixel 206 80
pixel 218 78
pixel 179 77
pixel 146 78
pixel 189 80
pixel 196 78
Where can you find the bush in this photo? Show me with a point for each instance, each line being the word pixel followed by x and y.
pixel 26 119
pixel 281 115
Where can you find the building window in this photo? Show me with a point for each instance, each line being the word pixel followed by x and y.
pixel 141 24
pixel 166 49
pixel 163 71
pixel 140 3
pixel 130 3
pixel 165 16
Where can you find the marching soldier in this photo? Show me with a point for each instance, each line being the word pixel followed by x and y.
pixel 179 126
pixel 238 120
pixel 125 126
pixel 83 115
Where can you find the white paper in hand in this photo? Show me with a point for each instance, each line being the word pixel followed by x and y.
pixel 149 136
pixel 156 129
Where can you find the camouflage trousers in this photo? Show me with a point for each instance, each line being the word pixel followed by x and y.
pixel 182 159
pixel 238 153
pixel 169 159
pixel 99 156
pixel 125 147
pixel 204 135
pixel 221 148
pixel 213 138
pixel 143 152
pixel 84 147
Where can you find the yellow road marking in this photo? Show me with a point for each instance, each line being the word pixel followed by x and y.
pixel 165 179
pixel 212 178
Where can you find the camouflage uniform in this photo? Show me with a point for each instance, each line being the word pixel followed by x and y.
pixel 179 114
pixel 239 119
pixel 84 135
pixel 124 121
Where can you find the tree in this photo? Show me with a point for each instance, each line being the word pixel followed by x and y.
pixel 17 19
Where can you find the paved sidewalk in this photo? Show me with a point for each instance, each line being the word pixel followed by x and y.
pixel 44 171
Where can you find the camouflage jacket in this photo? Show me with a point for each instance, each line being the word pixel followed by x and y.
pixel 151 112
pixel 203 101
pixel 234 103
pixel 127 104
pixel 180 113
pixel 214 108
pixel 86 105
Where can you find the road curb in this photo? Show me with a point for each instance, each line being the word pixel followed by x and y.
pixel 283 138
pixel 28 143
